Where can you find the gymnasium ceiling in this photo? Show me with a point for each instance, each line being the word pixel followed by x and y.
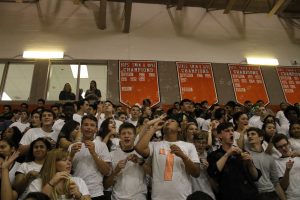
pixel 287 9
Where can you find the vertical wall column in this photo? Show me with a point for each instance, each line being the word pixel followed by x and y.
pixel 40 78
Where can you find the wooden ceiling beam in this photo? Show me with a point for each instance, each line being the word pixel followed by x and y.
pixel 102 14
pixel 229 6
pixel 276 7
pixel 128 9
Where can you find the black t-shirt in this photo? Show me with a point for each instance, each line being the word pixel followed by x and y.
pixel 235 181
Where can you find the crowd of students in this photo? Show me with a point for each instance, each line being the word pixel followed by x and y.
pixel 96 150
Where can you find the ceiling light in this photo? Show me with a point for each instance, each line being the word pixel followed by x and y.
pixel 43 54
pixel 5 97
pixel 83 71
pixel 262 61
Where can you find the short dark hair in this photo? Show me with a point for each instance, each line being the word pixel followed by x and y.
pixel 49 111
pixel 223 126
pixel 56 105
pixel 199 195
pixel 219 113
pixel 68 104
pixel 184 101
pixel 80 103
pixel 231 104
pixel 291 125
pixel 42 100
pixel 291 108
pixel 127 125
pixel 91 117
pixel 278 137
pixel 7 106
pixel 25 104
pixel 257 130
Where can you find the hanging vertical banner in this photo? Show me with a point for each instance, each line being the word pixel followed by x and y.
pixel 138 80
pixel 290 83
pixel 196 82
pixel 248 83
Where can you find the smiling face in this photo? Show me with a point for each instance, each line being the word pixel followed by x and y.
pixel 39 150
pixel 295 130
pixel 47 118
pixel 283 147
pixel 5 148
pixel 243 120
pixel 88 129
pixel 270 129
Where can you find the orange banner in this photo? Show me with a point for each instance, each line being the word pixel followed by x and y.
pixel 196 82
pixel 138 80
pixel 290 83
pixel 248 83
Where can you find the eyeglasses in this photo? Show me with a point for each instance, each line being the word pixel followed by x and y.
pixel 282 146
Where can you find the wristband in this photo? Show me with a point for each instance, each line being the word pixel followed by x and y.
pixel 50 184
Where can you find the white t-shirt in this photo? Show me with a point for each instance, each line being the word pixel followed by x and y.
pixel 132 122
pixel 35 133
pixel 281 117
pixel 295 144
pixel 20 126
pixel 293 191
pixel 85 167
pixel 255 121
pixel 77 118
pixel 36 185
pixel 12 172
pixel 202 182
pixel 26 167
pixel 200 122
pixel 131 183
pixel 58 124
pixel 170 179
pixel 205 125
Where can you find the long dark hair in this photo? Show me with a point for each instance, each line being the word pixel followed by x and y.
pixel 16 137
pixel 30 156
pixel 103 131
pixel 66 130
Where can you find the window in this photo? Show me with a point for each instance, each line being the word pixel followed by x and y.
pixel 60 75
pixel 97 73
pixel 18 82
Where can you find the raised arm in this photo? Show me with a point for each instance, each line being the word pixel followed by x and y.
pixel 7 192
pixel 142 147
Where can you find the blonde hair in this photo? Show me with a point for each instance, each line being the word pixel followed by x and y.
pixel 48 170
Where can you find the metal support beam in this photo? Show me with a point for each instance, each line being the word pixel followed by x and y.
pixel 276 7
pixel 127 8
pixel 180 4
pixel 229 6
pixel 102 14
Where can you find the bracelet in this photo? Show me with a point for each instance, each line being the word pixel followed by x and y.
pixel 50 184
